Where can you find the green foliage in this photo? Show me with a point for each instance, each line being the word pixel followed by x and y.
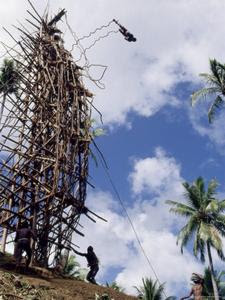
pixel 9 80
pixel 115 286
pixel 98 132
pixel 8 77
pixel 216 86
pixel 220 280
pixel 206 221
pixel 205 224
pixel 71 265
pixel 94 133
pixel 72 268
pixel 207 287
pixel 152 290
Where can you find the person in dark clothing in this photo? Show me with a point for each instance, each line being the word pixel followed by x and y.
pixel 23 238
pixel 92 263
pixel 127 35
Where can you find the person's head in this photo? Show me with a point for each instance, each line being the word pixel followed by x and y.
pixel 197 278
pixel 90 249
pixel 196 281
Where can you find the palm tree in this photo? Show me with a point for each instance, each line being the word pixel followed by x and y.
pixel 152 290
pixel 206 222
pixel 72 268
pixel 8 81
pixel 208 287
pixel 215 86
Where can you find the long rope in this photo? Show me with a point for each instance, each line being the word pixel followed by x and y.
pixel 106 169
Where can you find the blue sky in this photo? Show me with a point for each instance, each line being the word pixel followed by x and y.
pixel 154 139
pixel 169 129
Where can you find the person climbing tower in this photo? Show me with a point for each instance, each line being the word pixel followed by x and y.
pixel 93 263
pixel 22 240
pixel 197 287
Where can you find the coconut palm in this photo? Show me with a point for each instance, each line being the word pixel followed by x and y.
pixel 152 290
pixel 8 81
pixel 215 86
pixel 208 287
pixel 205 224
pixel 72 268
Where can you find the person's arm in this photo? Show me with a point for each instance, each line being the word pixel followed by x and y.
pixel 191 293
pixel 79 253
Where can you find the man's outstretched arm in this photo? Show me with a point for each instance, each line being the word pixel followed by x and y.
pixel 79 253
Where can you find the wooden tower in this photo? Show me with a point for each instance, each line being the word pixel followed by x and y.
pixel 45 140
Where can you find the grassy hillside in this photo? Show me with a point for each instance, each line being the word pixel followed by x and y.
pixel 41 284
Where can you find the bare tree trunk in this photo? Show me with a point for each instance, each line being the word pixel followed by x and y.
pixel 215 288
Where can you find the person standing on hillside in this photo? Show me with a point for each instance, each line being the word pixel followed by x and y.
pixel 23 239
pixel 93 263
pixel 197 287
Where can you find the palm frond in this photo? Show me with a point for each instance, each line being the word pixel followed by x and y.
pixel 208 287
pixel 199 184
pixel 220 218
pixel 151 290
pixel 9 79
pixel 199 246
pixel 71 265
pixel 205 232
pixel 211 80
pixel 187 232
pixel 220 254
pixel 203 93
pixel 221 205
pixel 192 196
pixel 218 70
pixel 220 275
pixel 215 239
pixel 212 207
pixel 217 104
pixel 180 208
pixel 212 186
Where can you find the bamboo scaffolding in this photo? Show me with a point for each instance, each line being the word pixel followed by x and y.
pixel 43 178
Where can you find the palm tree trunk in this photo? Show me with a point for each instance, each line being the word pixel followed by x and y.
pixel 215 288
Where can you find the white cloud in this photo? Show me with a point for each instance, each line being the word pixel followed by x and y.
pixel 115 242
pixel 156 174
pixel 175 40
pixel 214 131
